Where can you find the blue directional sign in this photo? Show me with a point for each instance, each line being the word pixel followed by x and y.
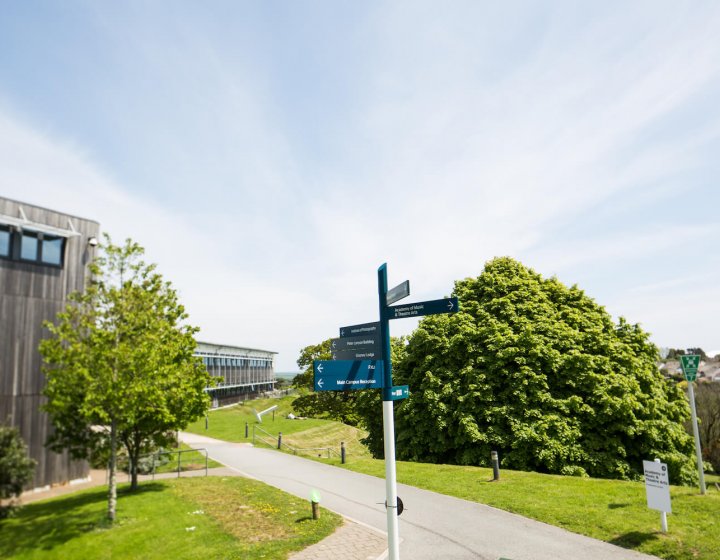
pixel 369 342
pixel 348 375
pixel 361 329
pixel 432 307
pixel 357 354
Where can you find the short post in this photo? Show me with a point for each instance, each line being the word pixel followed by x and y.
pixel 495 465
pixel 279 440
pixel 206 422
pixel 315 504
pixel 273 416
pixel 663 515
pixel 179 455
pixel 342 452
pixel 246 430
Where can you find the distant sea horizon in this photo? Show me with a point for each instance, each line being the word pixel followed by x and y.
pixel 286 374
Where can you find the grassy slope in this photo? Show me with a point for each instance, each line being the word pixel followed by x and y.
pixel 229 424
pixel 233 518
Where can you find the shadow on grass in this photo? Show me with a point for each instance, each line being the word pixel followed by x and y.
pixel 45 525
pixel 633 539
pixel 617 506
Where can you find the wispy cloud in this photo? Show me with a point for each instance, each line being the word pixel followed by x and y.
pixel 463 134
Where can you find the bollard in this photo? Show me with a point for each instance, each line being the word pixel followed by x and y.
pixel 279 440
pixel 315 510
pixel 246 430
pixel 206 421
pixel 342 452
pixel 315 503
pixel 495 465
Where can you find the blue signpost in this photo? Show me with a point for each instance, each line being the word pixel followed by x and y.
pixel 391 393
pixel 355 365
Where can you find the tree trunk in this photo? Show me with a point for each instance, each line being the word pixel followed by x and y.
pixel 134 455
pixel 112 490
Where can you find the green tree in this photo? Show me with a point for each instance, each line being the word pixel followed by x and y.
pixel 16 468
pixel 541 373
pixel 334 405
pixel 120 365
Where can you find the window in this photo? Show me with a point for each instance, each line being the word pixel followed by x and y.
pixel 52 250
pixel 4 241
pixel 29 247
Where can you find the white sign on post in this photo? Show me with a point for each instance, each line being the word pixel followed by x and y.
pixel 657 486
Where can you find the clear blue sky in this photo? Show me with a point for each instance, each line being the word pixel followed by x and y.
pixel 271 155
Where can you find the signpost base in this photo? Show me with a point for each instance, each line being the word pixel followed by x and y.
pixel 390 481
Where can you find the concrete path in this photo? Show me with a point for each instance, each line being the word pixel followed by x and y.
pixel 433 526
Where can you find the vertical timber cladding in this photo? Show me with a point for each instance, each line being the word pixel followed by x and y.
pixel 30 293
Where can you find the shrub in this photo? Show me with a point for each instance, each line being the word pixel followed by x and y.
pixel 16 468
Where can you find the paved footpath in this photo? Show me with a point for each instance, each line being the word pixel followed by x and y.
pixel 432 527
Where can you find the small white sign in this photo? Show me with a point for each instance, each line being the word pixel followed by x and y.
pixel 657 486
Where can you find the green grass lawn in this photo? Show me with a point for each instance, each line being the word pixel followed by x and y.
pixel 229 424
pixel 190 518
pixel 613 511
pixel 609 510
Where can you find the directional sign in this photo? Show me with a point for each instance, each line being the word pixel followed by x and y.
pixel 362 329
pixel 357 354
pixel 348 375
pixel 398 292
pixel 432 307
pixel 690 365
pixel 399 392
pixel 370 342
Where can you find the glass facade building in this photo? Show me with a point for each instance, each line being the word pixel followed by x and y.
pixel 242 373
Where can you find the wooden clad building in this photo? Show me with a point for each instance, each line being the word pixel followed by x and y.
pixel 43 258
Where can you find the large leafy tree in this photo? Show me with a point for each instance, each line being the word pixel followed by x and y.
pixel 540 372
pixel 119 364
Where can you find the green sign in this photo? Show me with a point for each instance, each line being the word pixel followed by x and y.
pixel 690 365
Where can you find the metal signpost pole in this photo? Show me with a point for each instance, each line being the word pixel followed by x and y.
pixel 690 364
pixel 388 423
pixel 698 452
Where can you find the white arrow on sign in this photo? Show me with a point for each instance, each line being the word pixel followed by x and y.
pixel 450 304
pixel 335 342
pixel 320 368
pixel 342 332
pixel 320 382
